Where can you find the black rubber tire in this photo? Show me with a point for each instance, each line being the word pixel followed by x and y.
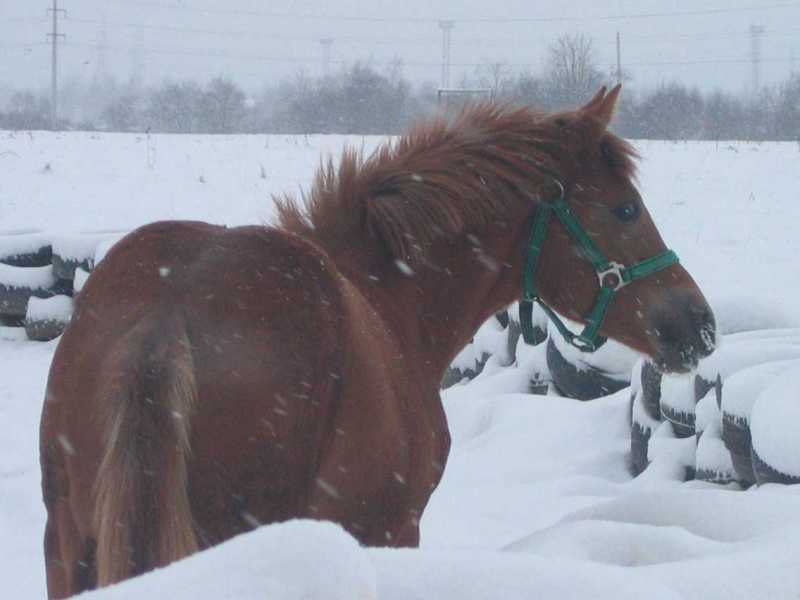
pixel 40 257
pixel 682 422
pixel 651 390
pixel 640 440
pixel 736 435
pixel 714 472
pixel 577 383
pixel 765 473
pixel 539 333
pixel 702 386
pixel 453 375
pixel 502 318
pixel 514 332
pixel 14 300
pixel 64 268
pixel 714 477
pixel 44 330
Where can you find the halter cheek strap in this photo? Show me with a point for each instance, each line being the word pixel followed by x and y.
pixel 612 276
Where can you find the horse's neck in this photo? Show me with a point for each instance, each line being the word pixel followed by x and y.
pixel 435 309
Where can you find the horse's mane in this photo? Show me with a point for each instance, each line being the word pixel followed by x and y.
pixel 439 180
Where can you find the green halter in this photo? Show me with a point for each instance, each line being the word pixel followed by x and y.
pixel 611 275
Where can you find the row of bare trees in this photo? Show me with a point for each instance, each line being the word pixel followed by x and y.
pixel 365 100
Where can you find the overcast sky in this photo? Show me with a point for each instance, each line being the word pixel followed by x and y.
pixel 700 42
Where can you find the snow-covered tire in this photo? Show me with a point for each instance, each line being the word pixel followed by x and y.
pixel 514 335
pixel 645 416
pixel 765 473
pixel 584 383
pixel 47 318
pixel 473 358
pixel 64 268
pixel 773 429
pixel 538 320
pixel 640 438
pixel 678 403
pixel 712 460
pixel 736 436
pixel 18 284
pixel 80 250
pixel 454 375
pixel 43 331
pixel 25 249
pixel 680 394
pixel 703 384
pixel 739 394
pixel 651 389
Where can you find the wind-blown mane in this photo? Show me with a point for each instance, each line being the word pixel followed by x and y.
pixel 412 191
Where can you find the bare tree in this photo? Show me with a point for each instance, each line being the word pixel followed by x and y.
pixel 123 113
pixel 222 107
pixel 787 109
pixel 572 73
pixel 27 110
pixel 495 76
pixel 173 107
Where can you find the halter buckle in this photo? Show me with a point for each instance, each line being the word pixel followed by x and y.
pixel 612 277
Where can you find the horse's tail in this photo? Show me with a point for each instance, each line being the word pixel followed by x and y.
pixel 142 516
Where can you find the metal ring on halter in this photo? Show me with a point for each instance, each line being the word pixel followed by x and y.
pixel 614 270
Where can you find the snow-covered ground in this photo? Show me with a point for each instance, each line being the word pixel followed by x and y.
pixel 536 500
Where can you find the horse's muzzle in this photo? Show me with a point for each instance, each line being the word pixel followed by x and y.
pixel 682 330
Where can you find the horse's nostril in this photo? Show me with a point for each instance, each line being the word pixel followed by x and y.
pixel 705 325
pixel 684 331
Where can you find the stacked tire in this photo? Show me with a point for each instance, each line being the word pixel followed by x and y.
pixel 498 343
pixel 588 375
pixel 752 379
pixel 39 275
pixel 645 412
pixel 26 271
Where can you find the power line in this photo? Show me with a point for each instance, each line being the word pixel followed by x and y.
pixel 254 34
pixel 261 35
pixel 314 60
pixel 521 20
pixel 24 46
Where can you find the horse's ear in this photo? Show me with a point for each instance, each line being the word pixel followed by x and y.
pixel 597 99
pixel 603 105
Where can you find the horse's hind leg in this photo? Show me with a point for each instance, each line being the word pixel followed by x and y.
pixel 69 558
pixel 69 561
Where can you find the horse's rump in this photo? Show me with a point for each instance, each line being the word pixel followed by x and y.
pixel 189 395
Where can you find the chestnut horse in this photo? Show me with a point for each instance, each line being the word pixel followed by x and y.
pixel 215 379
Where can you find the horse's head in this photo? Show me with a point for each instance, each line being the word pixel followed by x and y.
pixel 662 312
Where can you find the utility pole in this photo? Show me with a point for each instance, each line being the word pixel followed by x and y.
pixel 101 68
pixel 326 55
pixel 54 36
pixel 756 31
pixel 137 60
pixel 619 61
pixel 446 27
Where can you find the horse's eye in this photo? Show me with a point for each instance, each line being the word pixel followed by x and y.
pixel 626 212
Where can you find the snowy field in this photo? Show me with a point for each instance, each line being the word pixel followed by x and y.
pixel 537 500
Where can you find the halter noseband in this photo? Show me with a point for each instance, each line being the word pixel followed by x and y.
pixel 611 275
